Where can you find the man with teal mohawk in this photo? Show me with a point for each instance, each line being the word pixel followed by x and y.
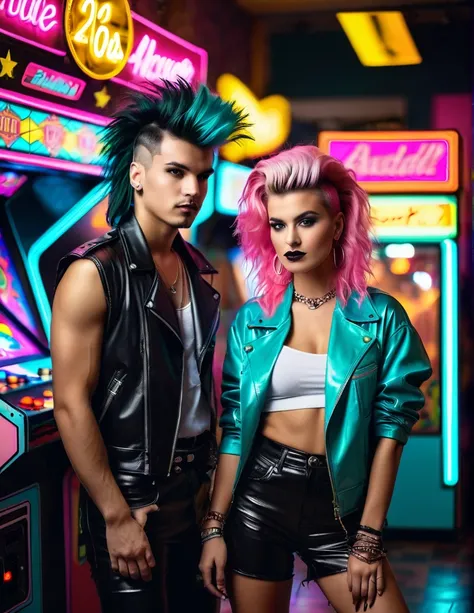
pixel 133 333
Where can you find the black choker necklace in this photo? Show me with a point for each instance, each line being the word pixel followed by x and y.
pixel 314 303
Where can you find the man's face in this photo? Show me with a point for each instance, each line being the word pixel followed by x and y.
pixel 174 181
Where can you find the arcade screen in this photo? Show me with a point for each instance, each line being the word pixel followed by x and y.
pixel 91 226
pixel 12 295
pixel 42 201
pixel 411 273
pixel 15 346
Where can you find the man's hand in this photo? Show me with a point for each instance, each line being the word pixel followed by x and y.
pixel 129 548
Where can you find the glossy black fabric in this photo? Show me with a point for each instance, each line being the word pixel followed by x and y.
pixel 137 401
pixel 282 506
pixel 174 537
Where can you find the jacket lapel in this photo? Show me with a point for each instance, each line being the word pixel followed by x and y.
pixel 205 299
pixel 139 261
pixel 262 352
pixel 348 343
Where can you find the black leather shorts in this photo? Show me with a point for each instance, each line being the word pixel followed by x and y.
pixel 283 505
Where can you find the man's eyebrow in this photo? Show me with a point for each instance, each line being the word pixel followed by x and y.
pixel 208 171
pixel 178 165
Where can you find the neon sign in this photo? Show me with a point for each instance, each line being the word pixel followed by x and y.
pixel 154 67
pixel 422 218
pixel 99 35
pixel 52 82
pixel 398 161
pixel 36 22
pixel 9 125
pixel 158 54
pixel 46 134
pixel 270 119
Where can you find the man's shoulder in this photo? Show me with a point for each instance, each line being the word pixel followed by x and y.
pixel 95 245
pixel 97 250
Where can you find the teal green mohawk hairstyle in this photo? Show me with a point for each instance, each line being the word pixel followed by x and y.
pixel 198 117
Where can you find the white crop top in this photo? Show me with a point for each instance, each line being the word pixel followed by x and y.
pixel 297 382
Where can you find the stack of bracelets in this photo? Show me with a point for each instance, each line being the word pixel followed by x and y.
pixel 211 533
pixel 367 545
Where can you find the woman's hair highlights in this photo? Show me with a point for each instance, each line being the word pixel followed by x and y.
pixel 304 167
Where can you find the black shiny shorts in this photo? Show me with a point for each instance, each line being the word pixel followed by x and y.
pixel 283 505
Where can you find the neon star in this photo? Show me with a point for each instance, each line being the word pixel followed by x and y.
pixel 102 98
pixel 7 65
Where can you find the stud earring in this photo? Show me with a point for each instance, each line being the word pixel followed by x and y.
pixel 136 186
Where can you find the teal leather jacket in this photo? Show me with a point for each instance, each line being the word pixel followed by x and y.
pixel 376 364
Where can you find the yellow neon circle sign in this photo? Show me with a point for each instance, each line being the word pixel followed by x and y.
pixel 99 35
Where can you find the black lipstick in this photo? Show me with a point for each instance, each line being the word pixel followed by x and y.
pixel 294 256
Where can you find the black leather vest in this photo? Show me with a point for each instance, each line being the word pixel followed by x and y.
pixel 138 398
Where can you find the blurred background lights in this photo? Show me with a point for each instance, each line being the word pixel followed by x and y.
pixel 423 279
pixel 400 266
pixel 403 250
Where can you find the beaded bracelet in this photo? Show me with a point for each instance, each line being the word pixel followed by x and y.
pixel 366 544
pixel 214 515
pixel 375 557
pixel 360 536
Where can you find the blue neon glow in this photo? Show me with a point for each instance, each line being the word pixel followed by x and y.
pixel 231 181
pixel 450 363
pixel 207 208
pixel 77 212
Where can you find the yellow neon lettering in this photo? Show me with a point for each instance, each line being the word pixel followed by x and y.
pixel 81 36
pixel 101 41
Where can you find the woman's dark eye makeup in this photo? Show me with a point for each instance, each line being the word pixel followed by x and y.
pixel 306 222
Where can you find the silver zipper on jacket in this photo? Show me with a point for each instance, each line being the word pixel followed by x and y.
pixel 204 349
pixel 112 391
pixel 146 391
pixel 179 417
pixel 337 515
pixel 203 353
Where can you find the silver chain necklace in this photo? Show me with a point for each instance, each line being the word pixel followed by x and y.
pixel 314 303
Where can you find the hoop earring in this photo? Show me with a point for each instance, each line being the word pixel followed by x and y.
pixel 334 256
pixel 277 272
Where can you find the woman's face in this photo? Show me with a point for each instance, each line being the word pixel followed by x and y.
pixel 302 229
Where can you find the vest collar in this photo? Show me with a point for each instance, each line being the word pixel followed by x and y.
pixel 138 255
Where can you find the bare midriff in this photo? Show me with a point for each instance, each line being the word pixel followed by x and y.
pixel 301 429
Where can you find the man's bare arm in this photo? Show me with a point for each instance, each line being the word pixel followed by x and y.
pixel 79 311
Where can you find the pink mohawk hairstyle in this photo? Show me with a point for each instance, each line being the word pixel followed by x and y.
pixel 304 167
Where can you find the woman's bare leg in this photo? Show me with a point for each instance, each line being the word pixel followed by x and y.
pixel 249 595
pixel 336 590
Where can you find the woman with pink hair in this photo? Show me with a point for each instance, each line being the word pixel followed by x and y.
pixel 320 391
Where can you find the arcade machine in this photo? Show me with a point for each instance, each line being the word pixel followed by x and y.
pixel 58 85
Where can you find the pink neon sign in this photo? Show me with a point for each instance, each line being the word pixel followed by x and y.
pixel 36 22
pixel 52 82
pixel 398 162
pixel 158 54
pixel 388 161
